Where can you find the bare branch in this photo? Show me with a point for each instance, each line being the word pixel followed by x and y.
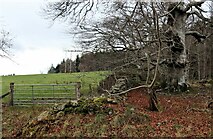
pixel 196 34
pixel 75 11
pixel 200 9
pixel 196 4
pixel 5 44
pixel 199 15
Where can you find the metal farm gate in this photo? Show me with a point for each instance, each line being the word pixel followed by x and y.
pixel 25 94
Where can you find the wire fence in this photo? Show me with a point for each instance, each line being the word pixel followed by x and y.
pixel 25 94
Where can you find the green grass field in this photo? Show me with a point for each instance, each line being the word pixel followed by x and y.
pixel 86 79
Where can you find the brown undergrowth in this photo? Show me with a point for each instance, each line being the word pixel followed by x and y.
pixel 181 115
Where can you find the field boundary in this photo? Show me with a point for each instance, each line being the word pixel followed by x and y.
pixel 1 121
pixel 30 94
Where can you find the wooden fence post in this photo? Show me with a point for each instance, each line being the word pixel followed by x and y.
pixel 11 94
pixel 77 90
pixel 32 94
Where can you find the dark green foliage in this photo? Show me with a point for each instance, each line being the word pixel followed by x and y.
pixel 77 63
pixel 66 63
pixel 97 61
pixel 52 69
pixel 57 69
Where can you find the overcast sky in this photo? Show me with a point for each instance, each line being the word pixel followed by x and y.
pixel 37 44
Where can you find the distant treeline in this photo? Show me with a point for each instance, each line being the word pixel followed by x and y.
pixel 66 66
pixel 93 61
pixel 199 65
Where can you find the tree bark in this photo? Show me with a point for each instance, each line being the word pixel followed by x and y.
pixel 176 34
pixel 153 101
pixel 178 64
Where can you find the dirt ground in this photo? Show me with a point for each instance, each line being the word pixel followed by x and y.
pixel 181 115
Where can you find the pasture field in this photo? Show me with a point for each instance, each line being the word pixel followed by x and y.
pixel 181 115
pixel 86 78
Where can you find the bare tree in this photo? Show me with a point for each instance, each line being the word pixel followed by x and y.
pixel 5 43
pixel 153 32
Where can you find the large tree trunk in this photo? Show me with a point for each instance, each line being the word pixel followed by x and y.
pixel 176 35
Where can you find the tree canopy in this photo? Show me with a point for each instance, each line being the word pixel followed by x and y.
pixel 152 33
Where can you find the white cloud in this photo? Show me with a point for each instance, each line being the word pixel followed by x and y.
pixel 31 61
pixel 36 45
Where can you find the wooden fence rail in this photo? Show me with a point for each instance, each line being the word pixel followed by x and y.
pixel 4 95
pixel 24 94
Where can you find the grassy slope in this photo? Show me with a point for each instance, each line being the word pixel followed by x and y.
pixel 85 78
